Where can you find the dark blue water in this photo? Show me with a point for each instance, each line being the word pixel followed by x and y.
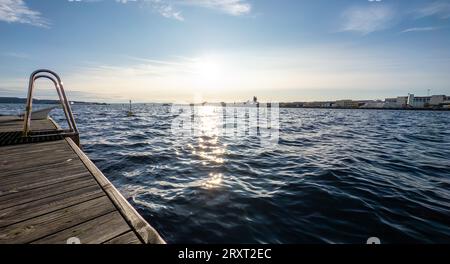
pixel 336 176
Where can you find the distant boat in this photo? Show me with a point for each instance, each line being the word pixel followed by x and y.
pixel 254 102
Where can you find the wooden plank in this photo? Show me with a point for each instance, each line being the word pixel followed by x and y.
pixel 38 160
pixel 63 163
pixel 36 179
pixel 14 199
pixel 18 153
pixel 44 169
pixel 21 150
pixel 96 231
pixel 47 205
pixel 8 118
pixel 127 238
pixel 147 233
pixel 39 125
pixel 30 146
pixel 45 225
pixel 36 125
pixel 37 149
pixel 35 159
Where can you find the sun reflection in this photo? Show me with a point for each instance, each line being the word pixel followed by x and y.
pixel 207 146
pixel 208 122
pixel 213 181
pixel 209 157
pixel 207 127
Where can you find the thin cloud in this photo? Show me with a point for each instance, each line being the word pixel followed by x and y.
pixel 169 11
pixel 419 29
pixel 367 19
pixel 86 1
pixel 232 7
pixel 439 9
pixel 163 7
pixel 171 8
pixel 16 11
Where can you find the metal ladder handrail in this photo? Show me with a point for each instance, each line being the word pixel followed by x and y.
pixel 62 98
pixel 59 95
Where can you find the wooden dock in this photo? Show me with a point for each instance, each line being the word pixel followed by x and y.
pixel 50 192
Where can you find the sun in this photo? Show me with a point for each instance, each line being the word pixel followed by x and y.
pixel 209 69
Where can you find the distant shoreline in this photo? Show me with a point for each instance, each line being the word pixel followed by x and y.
pixel 296 106
pixel 370 108
pixel 17 100
pixel 283 105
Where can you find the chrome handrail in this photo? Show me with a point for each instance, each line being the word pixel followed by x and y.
pixel 59 95
pixel 52 76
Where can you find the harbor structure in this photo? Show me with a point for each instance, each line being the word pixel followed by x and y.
pixel 399 102
pixel 412 101
pixel 347 104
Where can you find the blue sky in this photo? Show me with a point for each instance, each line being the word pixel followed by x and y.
pixel 227 50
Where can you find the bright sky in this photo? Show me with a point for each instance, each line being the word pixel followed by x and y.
pixel 227 50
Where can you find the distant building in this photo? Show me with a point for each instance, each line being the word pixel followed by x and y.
pixel 292 105
pixel 434 101
pixel 418 101
pixel 390 103
pixel 398 102
pixel 446 103
pixel 326 104
pixel 402 101
pixel 437 99
pixel 346 104
pixel 440 100
pixel 318 104
pixel 410 101
pixel 373 104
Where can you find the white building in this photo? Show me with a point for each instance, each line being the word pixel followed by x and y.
pixel 435 101
pixel 439 100
pixel 398 102
pixel 428 101
pixel 373 104
pixel 346 104
pixel 418 101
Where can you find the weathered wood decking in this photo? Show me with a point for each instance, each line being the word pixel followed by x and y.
pixel 51 191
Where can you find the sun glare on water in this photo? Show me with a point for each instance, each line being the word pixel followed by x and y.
pixel 214 181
